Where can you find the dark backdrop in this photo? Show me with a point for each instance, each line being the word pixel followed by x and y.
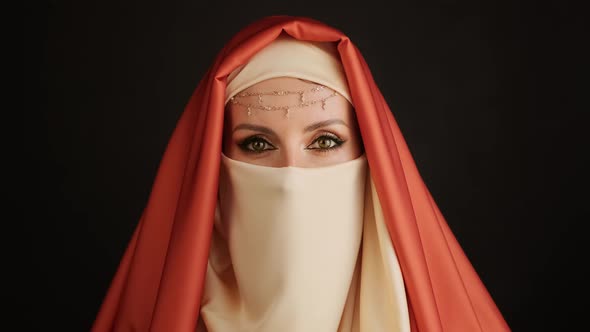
pixel 485 94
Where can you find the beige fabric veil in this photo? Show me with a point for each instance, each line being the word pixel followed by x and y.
pixel 300 249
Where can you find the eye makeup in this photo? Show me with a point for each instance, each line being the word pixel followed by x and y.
pixel 255 144
pixel 336 143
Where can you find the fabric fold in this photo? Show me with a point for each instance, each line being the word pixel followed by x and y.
pixel 160 281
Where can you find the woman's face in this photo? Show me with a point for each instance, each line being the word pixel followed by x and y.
pixel 310 136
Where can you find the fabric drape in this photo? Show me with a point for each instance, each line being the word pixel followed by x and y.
pixel 159 283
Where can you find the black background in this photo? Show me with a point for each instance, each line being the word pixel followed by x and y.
pixel 486 94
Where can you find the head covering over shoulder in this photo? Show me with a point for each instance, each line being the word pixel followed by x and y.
pixel 159 283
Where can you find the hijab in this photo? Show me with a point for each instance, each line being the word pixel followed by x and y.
pixel 160 282
pixel 297 249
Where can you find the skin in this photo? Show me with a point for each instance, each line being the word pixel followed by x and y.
pixel 309 137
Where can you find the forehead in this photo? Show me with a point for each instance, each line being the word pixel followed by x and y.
pixel 282 93
pixel 280 83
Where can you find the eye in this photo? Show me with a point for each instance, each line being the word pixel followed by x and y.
pixel 255 144
pixel 326 142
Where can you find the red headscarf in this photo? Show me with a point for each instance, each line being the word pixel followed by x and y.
pixel 159 282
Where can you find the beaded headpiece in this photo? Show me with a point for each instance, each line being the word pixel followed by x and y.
pixel 317 62
pixel 302 99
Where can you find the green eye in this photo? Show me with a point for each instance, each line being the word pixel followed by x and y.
pixel 326 142
pixel 255 144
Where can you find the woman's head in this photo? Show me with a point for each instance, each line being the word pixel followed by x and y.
pixel 168 261
pixel 290 106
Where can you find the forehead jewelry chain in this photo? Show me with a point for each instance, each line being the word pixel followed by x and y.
pixel 303 102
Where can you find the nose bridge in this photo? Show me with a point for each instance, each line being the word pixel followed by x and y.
pixel 290 156
pixel 292 151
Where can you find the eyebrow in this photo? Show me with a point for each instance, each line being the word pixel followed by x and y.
pixel 262 129
pixel 268 131
pixel 325 123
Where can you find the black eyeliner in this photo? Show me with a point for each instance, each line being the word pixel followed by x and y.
pixel 339 142
pixel 243 145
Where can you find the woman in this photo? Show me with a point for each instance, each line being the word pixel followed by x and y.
pixel 287 200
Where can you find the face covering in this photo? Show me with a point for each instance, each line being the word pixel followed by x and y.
pixel 301 249
pixel 292 238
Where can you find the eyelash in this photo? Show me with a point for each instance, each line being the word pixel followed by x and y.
pixel 338 142
pixel 251 139
pixel 244 144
